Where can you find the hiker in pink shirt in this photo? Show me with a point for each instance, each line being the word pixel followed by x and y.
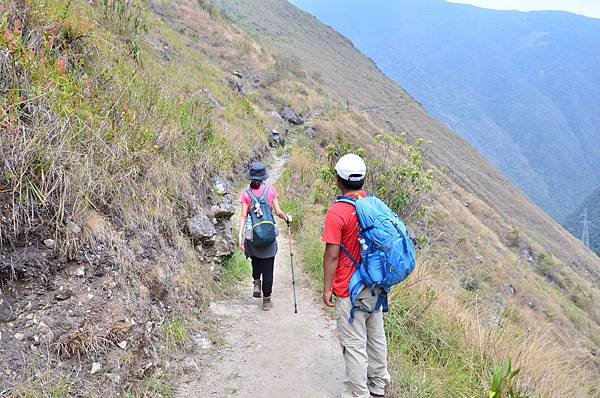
pixel 257 230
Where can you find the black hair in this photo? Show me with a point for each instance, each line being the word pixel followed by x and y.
pixel 351 185
pixel 255 184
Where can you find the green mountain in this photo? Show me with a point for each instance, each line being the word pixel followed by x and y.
pixel 522 88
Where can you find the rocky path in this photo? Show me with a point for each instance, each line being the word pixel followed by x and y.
pixel 276 353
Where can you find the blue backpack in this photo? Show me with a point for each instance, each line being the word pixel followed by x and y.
pixel 260 214
pixel 388 253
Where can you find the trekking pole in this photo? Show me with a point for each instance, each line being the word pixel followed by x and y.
pixel 292 264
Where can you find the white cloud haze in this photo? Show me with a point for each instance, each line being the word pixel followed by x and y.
pixel 590 8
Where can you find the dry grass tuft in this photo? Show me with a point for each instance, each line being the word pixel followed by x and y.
pixel 90 339
pixel 117 331
pixel 95 227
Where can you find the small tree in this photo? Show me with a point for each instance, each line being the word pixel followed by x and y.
pixel 397 173
pixel 400 177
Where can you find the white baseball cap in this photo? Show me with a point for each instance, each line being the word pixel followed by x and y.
pixel 351 167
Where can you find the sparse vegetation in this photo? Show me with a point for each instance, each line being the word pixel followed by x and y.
pixel 234 272
pixel 510 315
pixel 154 388
pixel 44 385
pixel 123 17
pixel 400 177
pixel 514 238
pixel 546 266
pixel 175 334
pixel 470 284
pixel 311 250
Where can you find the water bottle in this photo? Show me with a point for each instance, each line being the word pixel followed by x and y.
pixel 363 247
pixel 248 233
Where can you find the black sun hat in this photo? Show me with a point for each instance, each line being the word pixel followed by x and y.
pixel 257 171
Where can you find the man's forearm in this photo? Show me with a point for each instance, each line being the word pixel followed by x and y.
pixel 329 266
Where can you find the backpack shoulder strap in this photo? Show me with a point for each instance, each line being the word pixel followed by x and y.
pixel 350 256
pixel 252 196
pixel 346 199
pixel 265 192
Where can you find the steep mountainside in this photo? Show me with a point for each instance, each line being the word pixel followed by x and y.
pixel 359 83
pixel 522 88
pixel 575 223
pixel 528 258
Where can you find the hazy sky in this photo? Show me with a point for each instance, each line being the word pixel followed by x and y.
pixel 584 7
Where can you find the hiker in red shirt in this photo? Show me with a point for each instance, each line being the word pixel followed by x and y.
pixel 363 341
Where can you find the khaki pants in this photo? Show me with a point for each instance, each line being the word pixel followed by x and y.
pixel 364 347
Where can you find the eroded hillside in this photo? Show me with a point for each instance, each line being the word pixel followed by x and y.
pixel 117 140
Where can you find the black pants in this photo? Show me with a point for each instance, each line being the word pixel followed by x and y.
pixel 264 267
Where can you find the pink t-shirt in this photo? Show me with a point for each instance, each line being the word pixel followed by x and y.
pixel 271 195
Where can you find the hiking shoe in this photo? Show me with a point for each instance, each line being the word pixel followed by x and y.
pixel 257 287
pixel 267 304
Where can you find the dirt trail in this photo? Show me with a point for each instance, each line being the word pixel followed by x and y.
pixel 276 353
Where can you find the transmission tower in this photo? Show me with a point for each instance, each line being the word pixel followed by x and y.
pixel 585 237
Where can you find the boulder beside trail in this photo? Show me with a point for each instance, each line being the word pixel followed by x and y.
pixel 222 210
pixel 211 231
pixel 221 186
pixel 288 114
pixel 225 246
pixel 201 228
pixel 222 207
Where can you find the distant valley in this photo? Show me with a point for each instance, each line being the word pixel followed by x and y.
pixel 522 88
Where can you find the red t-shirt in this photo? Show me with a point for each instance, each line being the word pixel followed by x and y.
pixel 341 227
